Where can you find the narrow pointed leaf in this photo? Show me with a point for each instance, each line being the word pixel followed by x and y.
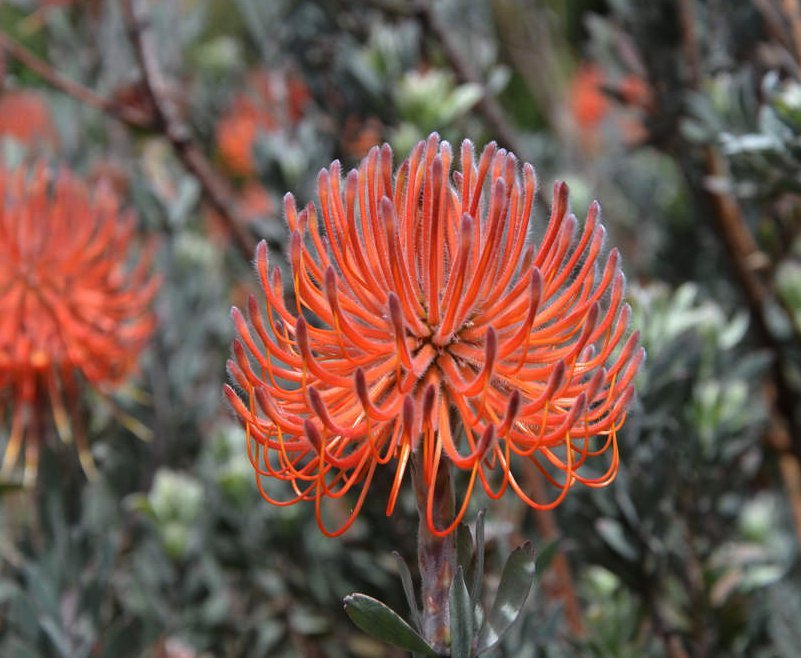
pixel 476 577
pixel 614 535
pixel 513 591
pixel 464 546
pixel 461 612
pixel 383 623
pixel 546 556
pixel 478 616
pixel 408 589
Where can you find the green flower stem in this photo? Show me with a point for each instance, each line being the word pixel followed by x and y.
pixel 436 555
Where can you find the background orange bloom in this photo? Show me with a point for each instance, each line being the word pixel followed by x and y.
pixel 71 309
pixel 272 100
pixel 25 117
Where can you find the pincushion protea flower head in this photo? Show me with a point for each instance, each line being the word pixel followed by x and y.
pixel 26 118
pixel 425 324
pixel 274 100
pixel 70 307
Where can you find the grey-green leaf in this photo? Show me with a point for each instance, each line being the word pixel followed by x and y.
pixel 464 546
pixel 546 555
pixel 613 533
pixel 383 623
pixel 477 575
pixel 408 588
pixel 513 591
pixel 461 612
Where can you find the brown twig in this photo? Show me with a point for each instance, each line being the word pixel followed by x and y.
pixel 735 234
pixel 792 13
pixel 746 256
pixel 784 431
pixel 774 22
pixel 789 466
pixel 215 187
pixel 494 115
pixel 128 115
pixel 689 40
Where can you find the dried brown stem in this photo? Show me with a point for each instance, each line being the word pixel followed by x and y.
pixel 689 41
pixel 489 107
pixel 166 120
pixel 215 187
pixel 784 432
pixel 774 23
pixel 738 241
pixel 436 555
pixel 792 12
pixel 789 466
pixel 127 115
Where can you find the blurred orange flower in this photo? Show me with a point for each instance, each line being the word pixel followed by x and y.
pixel 424 324
pixel 25 117
pixel 273 99
pixel 590 102
pixel 237 131
pixel 71 310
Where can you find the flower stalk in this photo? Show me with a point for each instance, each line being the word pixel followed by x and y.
pixel 436 555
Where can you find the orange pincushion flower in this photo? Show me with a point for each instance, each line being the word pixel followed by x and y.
pixel 70 308
pixel 237 132
pixel 25 117
pixel 589 104
pixel 437 330
pixel 274 99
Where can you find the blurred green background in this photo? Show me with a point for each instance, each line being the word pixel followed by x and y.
pixel 683 117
